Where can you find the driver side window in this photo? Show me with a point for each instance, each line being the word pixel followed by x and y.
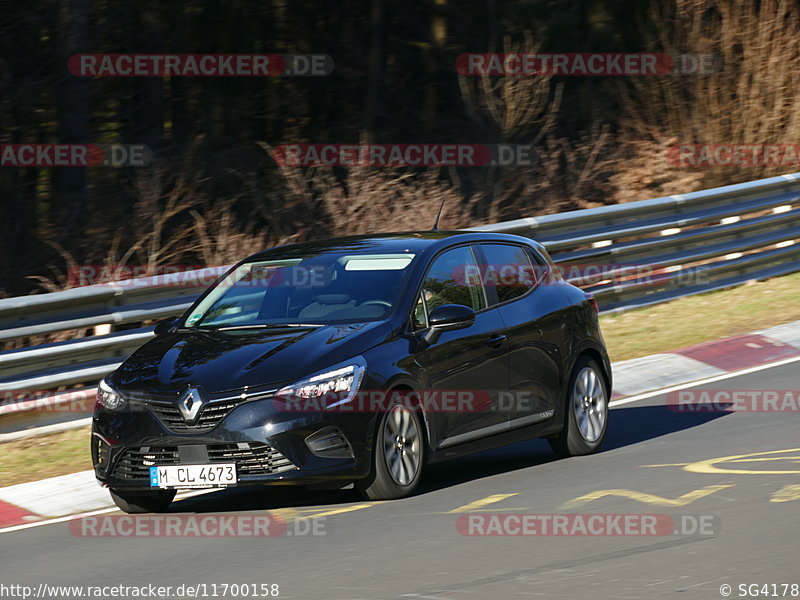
pixel 454 278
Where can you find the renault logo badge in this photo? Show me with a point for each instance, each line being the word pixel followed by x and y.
pixel 190 404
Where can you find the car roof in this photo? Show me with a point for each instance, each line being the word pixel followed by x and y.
pixel 414 241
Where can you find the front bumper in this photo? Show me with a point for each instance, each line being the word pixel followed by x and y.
pixel 269 447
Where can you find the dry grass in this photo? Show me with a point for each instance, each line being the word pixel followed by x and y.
pixel 562 174
pixel 45 456
pixel 751 99
pixel 370 200
pixel 702 318
pixel 222 239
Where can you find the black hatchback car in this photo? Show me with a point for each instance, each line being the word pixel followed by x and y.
pixel 355 360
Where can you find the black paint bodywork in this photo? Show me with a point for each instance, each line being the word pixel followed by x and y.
pixel 545 332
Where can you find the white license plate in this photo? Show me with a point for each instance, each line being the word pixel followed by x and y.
pixel 193 476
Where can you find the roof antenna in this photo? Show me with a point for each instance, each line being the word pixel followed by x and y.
pixel 439 215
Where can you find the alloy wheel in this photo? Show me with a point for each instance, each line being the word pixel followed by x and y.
pixel 402 446
pixel 589 404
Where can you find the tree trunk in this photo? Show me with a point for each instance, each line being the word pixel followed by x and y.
pixel 73 113
pixel 375 63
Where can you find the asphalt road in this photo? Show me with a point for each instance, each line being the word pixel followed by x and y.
pixel 411 548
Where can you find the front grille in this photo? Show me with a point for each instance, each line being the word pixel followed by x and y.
pixel 165 408
pixel 136 462
pixel 210 415
pixel 250 459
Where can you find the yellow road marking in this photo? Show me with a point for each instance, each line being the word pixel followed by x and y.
pixel 284 514
pixel 710 465
pixel 787 493
pixel 787 458
pixel 668 465
pixel 292 514
pixel 482 502
pixel 687 498
pixel 505 510
pixel 337 511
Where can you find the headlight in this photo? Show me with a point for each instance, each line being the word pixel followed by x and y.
pixel 108 396
pixel 336 386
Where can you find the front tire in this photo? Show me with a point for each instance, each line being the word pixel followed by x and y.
pixel 398 456
pixel 586 407
pixel 142 502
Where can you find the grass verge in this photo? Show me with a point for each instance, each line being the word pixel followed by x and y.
pixel 702 318
pixel 45 456
pixel 640 332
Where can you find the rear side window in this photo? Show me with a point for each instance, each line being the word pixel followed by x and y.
pixel 454 279
pixel 508 270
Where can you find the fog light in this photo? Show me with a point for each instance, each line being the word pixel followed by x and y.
pixel 329 442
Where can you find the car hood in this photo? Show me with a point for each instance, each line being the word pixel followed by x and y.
pixel 227 360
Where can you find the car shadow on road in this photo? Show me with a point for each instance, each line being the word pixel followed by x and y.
pixel 628 425
pixel 634 424
pixel 488 463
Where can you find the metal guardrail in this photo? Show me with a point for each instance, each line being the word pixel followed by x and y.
pixel 676 246
pixel 627 255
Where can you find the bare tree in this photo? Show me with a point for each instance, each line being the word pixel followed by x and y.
pixel 751 98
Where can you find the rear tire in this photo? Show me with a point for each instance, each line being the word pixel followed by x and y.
pixel 398 456
pixel 142 502
pixel 586 411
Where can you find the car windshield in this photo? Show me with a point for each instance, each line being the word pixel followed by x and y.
pixel 308 290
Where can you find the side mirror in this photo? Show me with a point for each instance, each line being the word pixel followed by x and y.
pixel 164 325
pixel 448 317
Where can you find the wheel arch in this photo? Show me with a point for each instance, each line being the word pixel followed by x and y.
pixel 598 357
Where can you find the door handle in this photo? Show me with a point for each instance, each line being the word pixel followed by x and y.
pixel 496 340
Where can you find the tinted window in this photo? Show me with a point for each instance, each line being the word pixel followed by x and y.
pixel 419 320
pixel 508 270
pixel 335 287
pixel 454 279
